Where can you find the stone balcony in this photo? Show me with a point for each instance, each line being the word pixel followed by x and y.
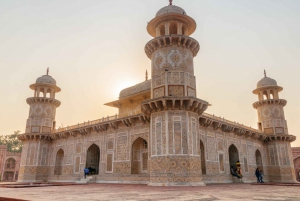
pixel 280 102
pixel 32 100
pixel 188 103
pixel 170 40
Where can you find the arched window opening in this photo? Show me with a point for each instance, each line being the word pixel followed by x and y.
pixel 183 30
pixel 233 156
pixel 10 163
pixel 173 28
pixel 265 95
pixel 139 157
pixel 202 157
pixel 272 95
pixel 59 162
pixel 41 92
pixel 297 168
pixel 258 158
pixel 93 159
pixel 162 30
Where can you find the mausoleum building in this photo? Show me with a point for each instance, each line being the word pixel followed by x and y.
pixel 161 134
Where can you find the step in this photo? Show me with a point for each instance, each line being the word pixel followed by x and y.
pixel 237 180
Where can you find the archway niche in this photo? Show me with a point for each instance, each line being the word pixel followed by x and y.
pixel 233 156
pixel 162 30
pixel 59 162
pixel 258 158
pixel 202 157
pixel 93 159
pixel 173 28
pixel 139 157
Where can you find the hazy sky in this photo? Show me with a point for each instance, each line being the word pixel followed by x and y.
pixel 96 48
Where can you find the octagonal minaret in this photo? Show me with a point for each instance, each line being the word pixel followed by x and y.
pixel 34 165
pixel 269 107
pixel 173 109
pixel 272 122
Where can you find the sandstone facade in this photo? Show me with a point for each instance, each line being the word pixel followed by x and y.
pixel 9 164
pixel 161 136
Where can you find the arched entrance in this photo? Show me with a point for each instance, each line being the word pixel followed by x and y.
pixel 233 156
pixel 10 163
pixel 139 156
pixel 297 168
pixel 8 176
pixel 202 157
pixel 93 159
pixel 258 157
pixel 59 162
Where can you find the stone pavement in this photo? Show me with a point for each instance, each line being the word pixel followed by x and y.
pixel 241 192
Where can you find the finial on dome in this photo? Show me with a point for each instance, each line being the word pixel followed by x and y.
pixel 171 2
pixel 265 73
pixel 146 75
pixel 48 71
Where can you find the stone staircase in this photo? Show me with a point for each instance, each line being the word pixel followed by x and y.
pixel 237 180
pixel 89 179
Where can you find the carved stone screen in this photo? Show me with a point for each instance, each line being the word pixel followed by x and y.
pixel 221 162
pixel 109 162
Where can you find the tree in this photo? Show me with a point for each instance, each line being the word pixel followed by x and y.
pixel 12 142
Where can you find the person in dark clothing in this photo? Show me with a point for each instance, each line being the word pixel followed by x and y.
pixel 86 172
pixel 233 173
pixel 261 176
pixel 257 175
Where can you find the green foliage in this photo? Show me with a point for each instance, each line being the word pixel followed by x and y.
pixel 12 142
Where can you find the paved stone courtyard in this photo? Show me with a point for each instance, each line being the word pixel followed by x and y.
pixel 241 192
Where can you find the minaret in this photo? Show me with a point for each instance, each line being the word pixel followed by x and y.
pixel 40 123
pixel 272 122
pixel 43 105
pixel 270 107
pixel 173 108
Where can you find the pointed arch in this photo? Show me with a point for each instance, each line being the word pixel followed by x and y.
pixel 93 159
pixel 258 159
pixel 139 156
pixel 10 163
pixel 59 162
pixel 233 155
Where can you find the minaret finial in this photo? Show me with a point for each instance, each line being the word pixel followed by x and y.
pixel 48 71
pixel 265 73
pixel 170 2
pixel 146 75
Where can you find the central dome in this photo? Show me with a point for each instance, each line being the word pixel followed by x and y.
pixel 170 9
pixel 266 81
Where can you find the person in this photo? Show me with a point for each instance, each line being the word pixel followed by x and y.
pixel 233 173
pixel 86 172
pixel 257 173
pixel 261 176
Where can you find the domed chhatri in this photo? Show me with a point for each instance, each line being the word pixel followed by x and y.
pixel 162 23
pixel 45 80
pixel 267 82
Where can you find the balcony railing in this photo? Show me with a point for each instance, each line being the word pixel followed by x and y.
pixel 229 122
pixel 88 123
